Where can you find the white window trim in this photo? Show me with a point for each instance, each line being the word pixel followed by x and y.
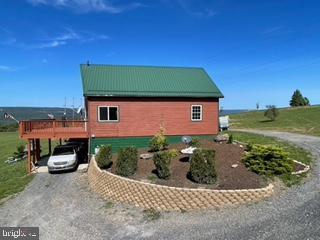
pixel 201 112
pixel 99 120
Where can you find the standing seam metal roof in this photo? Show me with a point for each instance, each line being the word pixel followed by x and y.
pixel 147 81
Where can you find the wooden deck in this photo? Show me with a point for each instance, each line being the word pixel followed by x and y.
pixel 53 129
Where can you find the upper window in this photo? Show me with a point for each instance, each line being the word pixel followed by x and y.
pixel 196 112
pixel 108 114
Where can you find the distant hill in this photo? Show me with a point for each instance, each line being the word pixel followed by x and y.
pixel 233 111
pixel 304 120
pixel 26 113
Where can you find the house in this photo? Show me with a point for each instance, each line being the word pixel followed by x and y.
pixel 126 105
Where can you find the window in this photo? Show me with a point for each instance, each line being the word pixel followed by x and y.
pixel 196 113
pixel 108 114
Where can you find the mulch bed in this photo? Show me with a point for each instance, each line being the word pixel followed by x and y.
pixel 228 177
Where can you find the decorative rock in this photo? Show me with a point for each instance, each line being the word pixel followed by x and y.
pixel 234 165
pixel 221 138
pixel 146 156
pixel 188 150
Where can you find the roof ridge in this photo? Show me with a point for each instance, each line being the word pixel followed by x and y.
pixel 146 66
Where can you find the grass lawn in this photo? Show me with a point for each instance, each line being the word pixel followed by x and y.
pixel 13 177
pixel 295 153
pixel 303 120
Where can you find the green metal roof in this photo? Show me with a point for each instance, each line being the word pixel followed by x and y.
pixel 147 81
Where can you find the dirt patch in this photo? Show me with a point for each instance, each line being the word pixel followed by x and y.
pixel 226 156
pixel 298 167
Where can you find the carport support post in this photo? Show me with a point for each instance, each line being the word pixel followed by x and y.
pixel 37 150
pixel 49 146
pixel 33 151
pixel 29 157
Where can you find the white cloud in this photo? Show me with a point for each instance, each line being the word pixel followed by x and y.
pixel 277 30
pixel 84 6
pixel 4 68
pixel 192 8
pixel 67 36
pixel 51 44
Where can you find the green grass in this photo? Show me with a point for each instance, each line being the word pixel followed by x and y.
pixel 304 120
pixel 295 152
pixel 151 214
pixel 13 177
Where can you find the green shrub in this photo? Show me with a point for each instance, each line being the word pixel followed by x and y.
pixel 230 140
pixel 151 214
pixel 127 162
pixel 162 162
pixel 104 156
pixel 20 151
pixel 195 142
pixel 202 169
pixel 272 112
pixel 173 153
pixel 159 142
pixel 268 160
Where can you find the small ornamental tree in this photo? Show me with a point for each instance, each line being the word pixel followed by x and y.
pixel 272 112
pixel 257 105
pixel 298 100
pixel 104 156
pixel 159 142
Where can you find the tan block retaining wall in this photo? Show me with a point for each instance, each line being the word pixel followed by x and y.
pixel 146 195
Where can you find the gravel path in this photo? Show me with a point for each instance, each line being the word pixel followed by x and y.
pixel 64 208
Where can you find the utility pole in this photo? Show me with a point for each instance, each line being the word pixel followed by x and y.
pixel 65 106
pixel 72 108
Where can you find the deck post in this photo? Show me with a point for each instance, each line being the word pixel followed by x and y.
pixel 49 146
pixel 37 150
pixel 29 157
pixel 33 151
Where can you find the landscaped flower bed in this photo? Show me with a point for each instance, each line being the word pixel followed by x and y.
pixel 227 177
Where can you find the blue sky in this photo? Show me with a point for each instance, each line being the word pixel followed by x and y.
pixel 256 51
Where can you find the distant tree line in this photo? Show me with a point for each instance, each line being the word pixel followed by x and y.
pixel 9 127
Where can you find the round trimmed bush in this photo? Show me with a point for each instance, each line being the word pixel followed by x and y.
pixel 104 157
pixel 162 162
pixel 127 163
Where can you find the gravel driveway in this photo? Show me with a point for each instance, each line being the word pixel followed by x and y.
pixel 64 208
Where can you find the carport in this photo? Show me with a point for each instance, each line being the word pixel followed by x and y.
pixel 35 130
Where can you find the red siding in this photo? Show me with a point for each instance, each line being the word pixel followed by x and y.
pixel 142 117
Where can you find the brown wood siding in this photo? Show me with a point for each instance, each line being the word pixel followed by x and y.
pixel 143 116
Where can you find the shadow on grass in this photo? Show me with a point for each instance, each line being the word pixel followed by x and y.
pixel 266 121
